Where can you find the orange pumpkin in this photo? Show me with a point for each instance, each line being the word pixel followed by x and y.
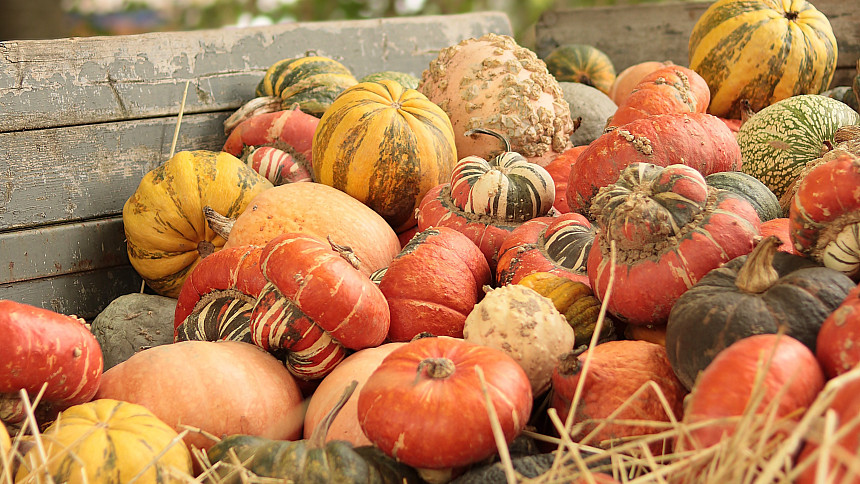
pixel 627 79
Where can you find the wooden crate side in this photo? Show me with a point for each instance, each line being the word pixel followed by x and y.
pixel 630 34
pixel 81 172
pixel 50 83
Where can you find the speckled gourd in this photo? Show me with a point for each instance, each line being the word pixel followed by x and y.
pixel 493 83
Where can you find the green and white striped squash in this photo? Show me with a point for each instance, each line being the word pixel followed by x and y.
pixel 507 187
pixel 762 51
pixel 778 141
pixel 312 82
pixel 581 63
pixel 405 79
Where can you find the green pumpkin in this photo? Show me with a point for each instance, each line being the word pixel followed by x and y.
pixel 581 63
pixel 311 82
pixel 750 189
pixel 778 141
pixel 404 78
pixel 308 461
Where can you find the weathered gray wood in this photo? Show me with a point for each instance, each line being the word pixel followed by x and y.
pixel 84 294
pixel 57 250
pixel 630 34
pixel 80 172
pixel 85 80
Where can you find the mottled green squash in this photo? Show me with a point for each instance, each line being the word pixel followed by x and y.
pixel 581 63
pixel 778 141
pixel 312 82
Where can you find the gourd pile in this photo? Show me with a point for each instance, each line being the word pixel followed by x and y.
pixel 444 279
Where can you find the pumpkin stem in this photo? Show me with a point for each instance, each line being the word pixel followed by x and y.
pixel 345 252
pixel 757 274
pixel 490 132
pixel 746 110
pixel 437 368
pixel 569 363
pixel 219 224
pixel 317 438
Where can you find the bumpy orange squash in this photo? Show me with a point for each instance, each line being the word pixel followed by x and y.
pixel 165 229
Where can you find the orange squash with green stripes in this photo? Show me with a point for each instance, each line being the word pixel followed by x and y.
pixel 165 229
pixel 762 51
pixel 581 63
pixel 385 145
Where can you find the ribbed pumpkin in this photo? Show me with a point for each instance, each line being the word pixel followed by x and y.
pixel 581 63
pixel 404 78
pixel 165 228
pixel 670 89
pixel 385 145
pixel 106 441
pixel 762 51
pixel 778 141
pixel 312 82
pixel 626 80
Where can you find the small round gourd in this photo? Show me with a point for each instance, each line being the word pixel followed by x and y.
pixel 312 82
pixel 581 63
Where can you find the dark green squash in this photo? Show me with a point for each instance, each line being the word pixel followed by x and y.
pixel 240 458
pixel 750 189
pixel 581 63
pixel 751 294
pixel 311 82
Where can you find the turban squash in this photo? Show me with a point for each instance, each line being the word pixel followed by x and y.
pixel 165 228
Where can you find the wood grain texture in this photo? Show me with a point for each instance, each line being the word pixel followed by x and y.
pixel 630 34
pixel 81 172
pixel 50 83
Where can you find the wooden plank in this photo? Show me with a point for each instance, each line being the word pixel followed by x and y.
pixel 62 249
pixel 84 294
pixel 630 34
pixel 50 83
pixel 83 172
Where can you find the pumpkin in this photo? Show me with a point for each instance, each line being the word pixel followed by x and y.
pixel 425 405
pixel 748 295
pixel 778 141
pixel 108 441
pixel 790 381
pixel 842 439
pixel 356 367
pixel 750 189
pixel 698 140
pixel 581 63
pixel 312 460
pixel 486 200
pixel 559 170
pixel 315 305
pixel 824 218
pixel 493 83
pixel 405 79
pixel 53 350
pixel 670 89
pixel 433 284
pixel 836 345
pixel 210 388
pixel 626 80
pixel 386 146
pixel 216 301
pixel 278 145
pixel 312 82
pixel 616 372
pixel 559 245
pixel 526 326
pixel 575 301
pixel 761 51
pixel 589 108
pixel 779 227
pixel 165 229
pixel 669 228
pixel 320 211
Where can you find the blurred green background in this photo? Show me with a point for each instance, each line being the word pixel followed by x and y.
pixel 43 19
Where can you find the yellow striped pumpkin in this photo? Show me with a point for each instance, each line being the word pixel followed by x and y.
pixel 165 229
pixel 312 82
pixel 386 146
pixel 108 441
pixel 762 51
